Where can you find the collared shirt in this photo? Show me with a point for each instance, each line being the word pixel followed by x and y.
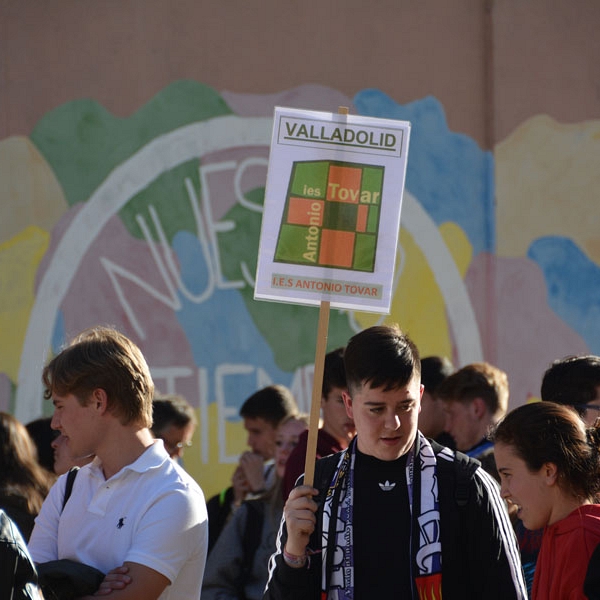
pixel 151 512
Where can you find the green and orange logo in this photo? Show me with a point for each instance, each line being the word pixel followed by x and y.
pixel 331 216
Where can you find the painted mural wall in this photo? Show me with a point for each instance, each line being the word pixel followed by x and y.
pixel 150 223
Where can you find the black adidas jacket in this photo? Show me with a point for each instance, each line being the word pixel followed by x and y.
pixel 480 556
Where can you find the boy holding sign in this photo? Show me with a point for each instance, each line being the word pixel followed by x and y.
pixel 394 515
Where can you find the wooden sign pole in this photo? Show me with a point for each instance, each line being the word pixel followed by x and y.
pixel 315 407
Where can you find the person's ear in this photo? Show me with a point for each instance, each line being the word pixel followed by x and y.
pixel 479 407
pixel 99 399
pixel 550 472
pixel 348 404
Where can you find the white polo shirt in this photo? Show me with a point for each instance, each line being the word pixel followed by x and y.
pixel 151 512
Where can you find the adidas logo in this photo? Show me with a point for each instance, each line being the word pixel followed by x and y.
pixel 387 486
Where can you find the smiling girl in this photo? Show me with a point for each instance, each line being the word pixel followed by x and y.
pixel 549 466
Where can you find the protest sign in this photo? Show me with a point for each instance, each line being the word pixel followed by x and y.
pixel 332 209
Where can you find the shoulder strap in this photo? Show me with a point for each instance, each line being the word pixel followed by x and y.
pixel 591 583
pixel 252 531
pixel 69 485
pixel 324 468
pixel 218 508
pixel 465 468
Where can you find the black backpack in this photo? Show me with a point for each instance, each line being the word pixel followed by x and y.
pixel 591 584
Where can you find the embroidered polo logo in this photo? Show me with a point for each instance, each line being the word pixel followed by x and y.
pixel 121 523
pixel 387 486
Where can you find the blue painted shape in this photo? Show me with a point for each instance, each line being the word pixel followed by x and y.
pixel 573 283
pixel 58 333
pixel 214 336
pixel 448 173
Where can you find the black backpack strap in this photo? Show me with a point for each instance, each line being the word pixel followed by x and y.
pixel 324 469
pixel 251 537
pixel 69 485
pixel 465 468
pixel 218 508
pixel 591 584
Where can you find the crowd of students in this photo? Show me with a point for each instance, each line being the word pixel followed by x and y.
pixel 424 486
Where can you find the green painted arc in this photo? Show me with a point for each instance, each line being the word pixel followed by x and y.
pixel 83 142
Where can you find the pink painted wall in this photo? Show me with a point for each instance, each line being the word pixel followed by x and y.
pixel 539 58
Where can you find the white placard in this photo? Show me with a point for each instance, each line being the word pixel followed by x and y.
pixel 332 209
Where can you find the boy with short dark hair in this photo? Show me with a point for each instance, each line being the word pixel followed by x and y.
pixel 575 381
pixel 174 422
pixel 262 412
pixel 337 429
pixel 395 515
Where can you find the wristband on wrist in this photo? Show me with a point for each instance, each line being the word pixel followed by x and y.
pixel 293 560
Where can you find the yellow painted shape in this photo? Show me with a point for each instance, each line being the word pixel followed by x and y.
pixel 30 193
pixel 213 476
pixel 547 182
pixel 418 305
pixel 19 260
